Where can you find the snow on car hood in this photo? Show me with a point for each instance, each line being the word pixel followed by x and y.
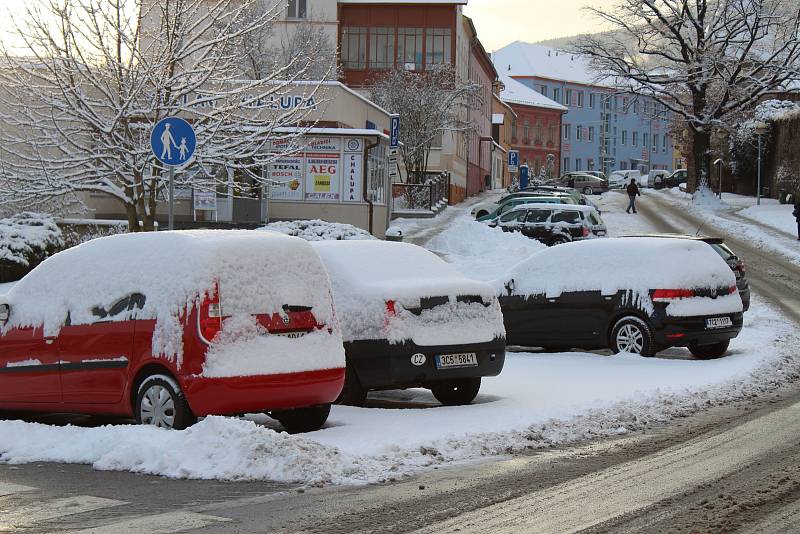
pixel 256 271
pixel 367 274
pixel 636 264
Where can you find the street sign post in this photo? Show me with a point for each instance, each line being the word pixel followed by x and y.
pixel 513 160
pixel 394 173
pixel 173 143
pixel 394 135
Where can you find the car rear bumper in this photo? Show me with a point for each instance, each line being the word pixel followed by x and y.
pixel 681 331
pixel 253 394
pixel 381 365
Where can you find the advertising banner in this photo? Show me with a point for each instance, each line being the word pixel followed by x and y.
pixel 353 179
pixel 205 201
pixel 322 177
pixel 324 144
pixel 289 171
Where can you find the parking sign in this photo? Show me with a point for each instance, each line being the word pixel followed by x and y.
pixel 394 141
pixel 513 160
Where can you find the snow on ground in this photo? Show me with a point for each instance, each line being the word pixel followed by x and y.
pixel 618 223
pixel 5 288
pixel 319 230
pixel 539 400
pixel 778 216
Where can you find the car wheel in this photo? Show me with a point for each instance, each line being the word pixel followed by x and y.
pixel 557 240
pixel 303 419
pixel 481 213
pixel 588 190
pixel 456 392
pixel 160 402
pixel 353 393
pixel 709 352
pixel 632 334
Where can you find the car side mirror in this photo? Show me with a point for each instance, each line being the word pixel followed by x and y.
pixel 510 287
pixel 5 313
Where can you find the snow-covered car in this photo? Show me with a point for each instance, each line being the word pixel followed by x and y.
pixel 409 319
pixel 657 178
pixel 631 295
pixel 170 326
pixel 518 201
pixel 482 209
pixel 677 178
pixel 553 224
pixel 621 179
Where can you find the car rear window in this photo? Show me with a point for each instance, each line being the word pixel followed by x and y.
pixel 537 216
pixel 513 216
pixel 570 217
pixel 594 218
pixel 724 252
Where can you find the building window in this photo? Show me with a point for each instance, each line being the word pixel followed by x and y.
pixel 409 48
pixel 557 94
pixel 623 166
pixel 543 90
pixel 635 139
pixel 580 99
pixel 625 104
pixel 592 100
pixel 591 133
pixel 664 144
pixel 551 134
pixel 655 142
pixel 646 107
pixel 578 133
pixel 568 97
pixel 578 164
pixel 567 131
pixel 624 137
pixel 645 140
pixel 514 128
pixel 538 133
pixel 437 46
pixel 566 165
pixel 354 48
pixel 297 9
pixel 381 48
pixel 636 106
pixel 526 132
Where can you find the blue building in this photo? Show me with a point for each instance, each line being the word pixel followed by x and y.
pixel 604 129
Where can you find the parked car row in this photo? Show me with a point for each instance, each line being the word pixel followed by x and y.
pixel 552 224
pixel 261 322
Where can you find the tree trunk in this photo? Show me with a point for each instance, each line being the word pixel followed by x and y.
pixel 133 219
pixel 701 158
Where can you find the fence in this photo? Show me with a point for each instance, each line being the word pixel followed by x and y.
pixel 428 197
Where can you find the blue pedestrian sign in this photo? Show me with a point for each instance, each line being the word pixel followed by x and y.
pixel 513 160
pixel 394 140
pixel 173 141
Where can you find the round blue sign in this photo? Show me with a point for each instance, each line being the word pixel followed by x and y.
pixel 173 141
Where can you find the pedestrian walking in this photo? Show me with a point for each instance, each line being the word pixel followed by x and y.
pixel 633 192
pixel 796 214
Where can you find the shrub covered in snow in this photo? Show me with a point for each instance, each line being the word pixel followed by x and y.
pixel 744 142
pixel 26 239
pixel 319 230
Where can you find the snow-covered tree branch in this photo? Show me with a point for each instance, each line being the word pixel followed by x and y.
pixel 78 103
pixel 429 105
pixel 703 60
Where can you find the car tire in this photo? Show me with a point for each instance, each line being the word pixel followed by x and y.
pixel 709 352
pixel 160 402
pixel 302 420
pixel 456 392
pixel 481 213
pixel 353 393
pixel 588 191
pixel 632 334
pixel 557 240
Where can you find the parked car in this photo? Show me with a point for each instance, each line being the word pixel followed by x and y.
pixel 630 295
pixel 481 209
pixel 657 178
pixel 409 319
pixel 599 174
pixel 553 224
pixel 170 326
pixel 734 262
pixel 585 183
pixel 677 178
pixel 514 202
pixel 621 179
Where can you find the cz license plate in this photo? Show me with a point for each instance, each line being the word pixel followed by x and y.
pixel 718 322
pixel 452 361
pixel 291 335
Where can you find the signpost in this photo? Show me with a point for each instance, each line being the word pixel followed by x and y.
pixel 394 147
pixel 394 136
pixel 173 143
pixel 513 160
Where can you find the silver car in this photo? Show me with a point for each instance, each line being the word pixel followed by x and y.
pixel 585 183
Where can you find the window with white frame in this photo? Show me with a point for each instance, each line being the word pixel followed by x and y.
pixel 557 94
pixel 296 9
pixel 655 142
pixel 578 133
pixel 579 97
pixel 567 131
pixel 592 100
pixel 635 139
pixel 624 137
pixel 591 133
pixel 568 97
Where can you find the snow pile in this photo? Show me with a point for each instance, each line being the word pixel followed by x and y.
pixel 770 213
pixel 367 274
pixel 26 239
pixel 257 272
pixel 245 348
pixel 705 198
pixel 482 252
pixel 610 265
pixel 318 230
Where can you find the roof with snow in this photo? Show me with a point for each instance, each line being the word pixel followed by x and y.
pixel 518 93
pixel 528 59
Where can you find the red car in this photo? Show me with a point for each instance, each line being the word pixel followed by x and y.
pixel 172 326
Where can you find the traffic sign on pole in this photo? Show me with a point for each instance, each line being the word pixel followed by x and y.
pixel 173 143
pixel 513 160
pixel 394 137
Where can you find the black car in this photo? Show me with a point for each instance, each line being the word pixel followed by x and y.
pixel 676 178
pixel 734 262
pixel 621 294
pixel 553 224
pixel 409 319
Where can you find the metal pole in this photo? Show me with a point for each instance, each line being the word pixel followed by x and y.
pixel 758 192
pixel 171 197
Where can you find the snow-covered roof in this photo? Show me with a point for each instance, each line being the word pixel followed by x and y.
pixel 518 93
pixel 528 59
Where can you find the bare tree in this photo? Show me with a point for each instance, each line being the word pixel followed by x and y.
pixel 429 105
pixel 704 60
pixel 77 110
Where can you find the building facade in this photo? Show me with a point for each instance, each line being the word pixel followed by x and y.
pixel 603 129
pixel 503 117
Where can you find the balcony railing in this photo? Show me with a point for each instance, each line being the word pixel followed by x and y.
pixel 428 197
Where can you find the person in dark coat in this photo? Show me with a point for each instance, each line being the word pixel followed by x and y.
pixel 633 192
pixel 796 214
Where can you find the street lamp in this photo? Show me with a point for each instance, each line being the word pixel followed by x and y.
pixel 760 128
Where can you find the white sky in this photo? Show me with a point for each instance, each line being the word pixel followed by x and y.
pixel 498 22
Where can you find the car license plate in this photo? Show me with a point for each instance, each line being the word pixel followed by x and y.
pixel 719 322
pixel 291 335
pixel 452 361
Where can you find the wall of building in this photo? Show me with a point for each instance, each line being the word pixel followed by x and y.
pixel 483 74
pixel 536 134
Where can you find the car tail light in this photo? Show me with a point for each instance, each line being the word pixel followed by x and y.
pixel 210 318
pixel 585 231
pixel 732 290
pixel 390 308
pixel 662 295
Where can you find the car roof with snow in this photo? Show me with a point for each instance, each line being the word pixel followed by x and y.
pixel 614 264
pixel 560 207
pixel 705 239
